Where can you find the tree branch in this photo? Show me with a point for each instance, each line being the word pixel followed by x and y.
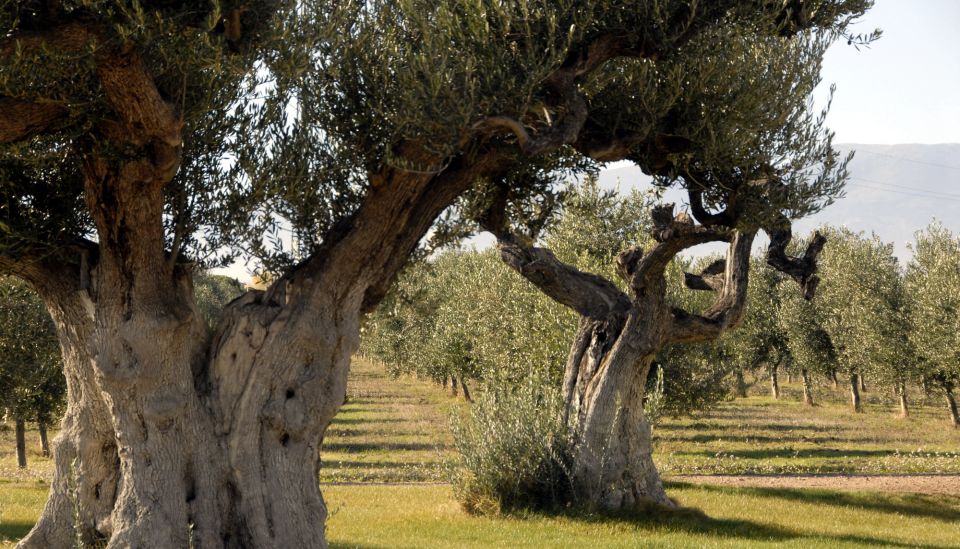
pixel 727 310
pixel 801 269
pixel 673 235
pixel 590 295
pixel 21 120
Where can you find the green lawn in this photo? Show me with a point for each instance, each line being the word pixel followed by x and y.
pixel 395 431
pixel 416 516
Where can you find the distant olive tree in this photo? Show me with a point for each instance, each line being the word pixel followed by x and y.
pixel 32 387
pixel 933 290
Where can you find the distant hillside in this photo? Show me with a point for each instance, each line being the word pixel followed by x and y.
pixel 894 190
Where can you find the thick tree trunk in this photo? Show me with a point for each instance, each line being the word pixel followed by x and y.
pixel 21 432
pixel 44 443
pixel 855 393
pixel 604 386
pixel 902 396
pixel 952 406
pixel 774 382
pixel 453 386
pixel 835 380
pixel 807 387
pixel 863 385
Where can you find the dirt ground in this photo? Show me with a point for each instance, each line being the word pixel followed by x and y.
pixel 920 484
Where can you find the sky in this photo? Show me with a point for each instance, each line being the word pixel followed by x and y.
pixel 905 87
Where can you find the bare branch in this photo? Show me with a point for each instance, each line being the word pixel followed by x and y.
pixel 801 269
pixel 590 295
pixel 704 217
pixel 727 311
pixel 710 279
pixel 21 120
pixel 673 235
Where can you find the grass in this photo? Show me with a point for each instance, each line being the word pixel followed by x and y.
pixel 383 467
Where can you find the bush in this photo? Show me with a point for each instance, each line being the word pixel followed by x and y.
pixel 513 450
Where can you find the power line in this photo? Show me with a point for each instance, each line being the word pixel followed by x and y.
pixel 905 159
pixel 940 194
pixel 863 185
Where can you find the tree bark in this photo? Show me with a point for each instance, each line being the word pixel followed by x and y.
pixel 834 379
pixel 774 382
pixel 863 385
pixel 453 386
pixel 807 387
pixel 44 443
pixel 21 432
pixel 951 405
pixel 466 390
pixel 855 393
pixel 902 396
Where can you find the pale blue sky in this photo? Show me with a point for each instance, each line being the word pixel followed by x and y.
pixel 904 88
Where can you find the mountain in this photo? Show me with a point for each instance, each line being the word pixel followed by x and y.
pixel 893 191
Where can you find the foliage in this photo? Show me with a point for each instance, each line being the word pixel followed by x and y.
pixel 512 449
pixel 933 282
pixel 32 385
pixel 212 293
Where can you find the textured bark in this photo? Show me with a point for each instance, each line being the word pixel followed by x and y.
pixel 861 383
pixel 774 382
pixel 618 338
pixel 902 397
pixel 44 442
pixel 952 406
pixel 21 434
pixel 834 379
pixel 807 387
pixel 855 394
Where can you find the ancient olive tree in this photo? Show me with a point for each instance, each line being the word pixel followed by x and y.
pixel 783 168
pixel 31 380
pixel 933 289
pixel 141 139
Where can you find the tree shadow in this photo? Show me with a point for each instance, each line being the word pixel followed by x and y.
pixel 768 453
pixel 359 420
pixel 14 530
pixel 693 521
pixel 356 447
pixel 916 505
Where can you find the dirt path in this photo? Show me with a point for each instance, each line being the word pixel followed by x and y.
pixel 921 484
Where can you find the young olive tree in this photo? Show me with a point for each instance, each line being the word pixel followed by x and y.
pixel 140 140
pixel 933 287
pixel 862 311
pixel 31 377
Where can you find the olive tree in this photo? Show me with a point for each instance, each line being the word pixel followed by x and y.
pixel 784 168
pixel 139 140
pixel 933 289
pixel 31 380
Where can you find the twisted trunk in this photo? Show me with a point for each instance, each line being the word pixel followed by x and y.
pixel 604 386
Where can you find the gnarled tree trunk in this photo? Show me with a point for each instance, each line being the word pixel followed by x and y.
pixel 951 404
pixel 902 397
pixel 617 340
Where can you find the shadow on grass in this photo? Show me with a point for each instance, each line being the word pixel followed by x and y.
pixel 14 530
pixel 340 420
pixel 355 447
pixel 768 453
pixel 915 505
pixel 692 521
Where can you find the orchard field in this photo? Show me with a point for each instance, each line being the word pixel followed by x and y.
pixel 752 472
